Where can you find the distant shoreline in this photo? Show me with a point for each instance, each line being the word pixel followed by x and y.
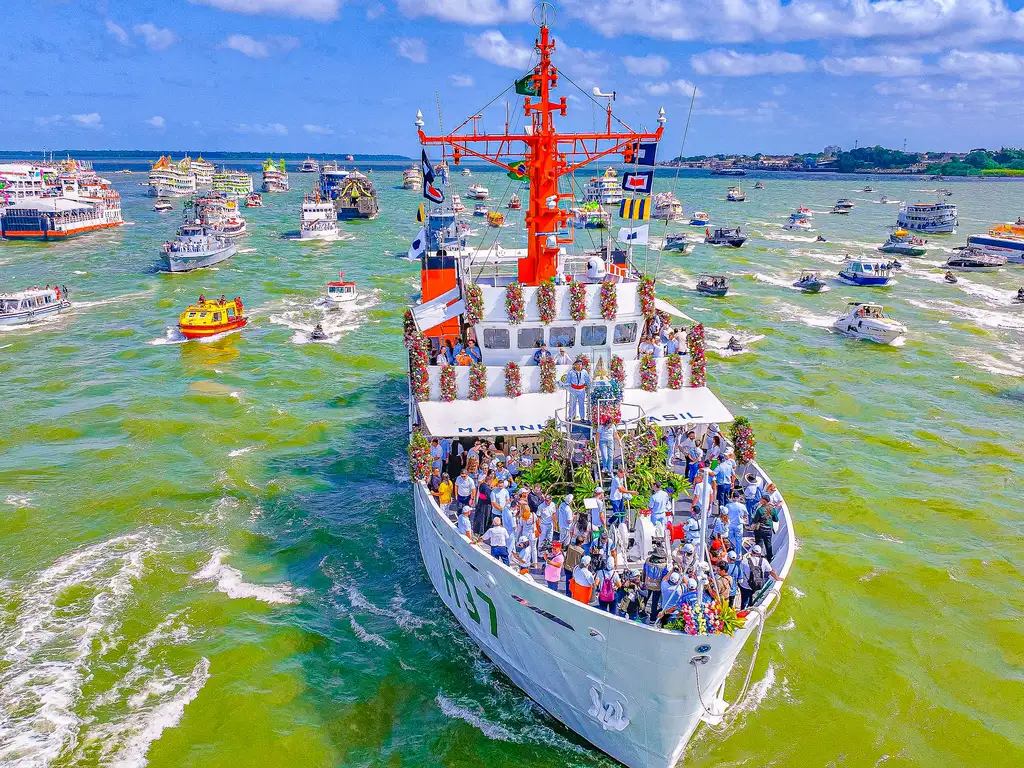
pixel 152 154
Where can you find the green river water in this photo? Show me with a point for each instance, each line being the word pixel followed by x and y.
pixel 208 549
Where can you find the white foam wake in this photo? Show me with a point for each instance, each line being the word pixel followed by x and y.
pixel 335 322
pixel 229 581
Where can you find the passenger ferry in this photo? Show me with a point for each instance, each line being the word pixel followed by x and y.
pixel 275 177
pixel 1001 240
pixel 635 690
pixel 170 179
pixel 591 216
pixel 356 198
pixel 318 220
pixel 667 207
pixel 412 178
pixel 203 170
pixel 866 272
pixel 32 304
pixel 936 218
pixel 605 189
pixel 254 200
pixel 210 317
pixel 88 203
pixel 309 165
pixel 233 183
pixel 340 292
pixel 19 181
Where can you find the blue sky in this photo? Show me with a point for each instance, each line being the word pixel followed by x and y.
pixel 334 76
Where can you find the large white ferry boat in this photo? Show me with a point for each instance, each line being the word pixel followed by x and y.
pixel 231 182
pixel 935 218
pixel 605 189
pixel 170 179
pixel 318 220
pixel 309 165
pixel 25 180
pixel 203 170
pixel 86 203
pixel 275 177
pixel 635 690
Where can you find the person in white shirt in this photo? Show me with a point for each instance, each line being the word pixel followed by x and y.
pixel 646 347
pixel 465 526
pixel 703 491
pixel 561 358
pixel 564 518
pixel 497 537
pixel 751 491
pixel 659 506
pixel 754 575
pixel 546 515
pixel 465 487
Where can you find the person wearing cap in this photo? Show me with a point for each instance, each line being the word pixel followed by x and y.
pixel 465 525
pixel 607 582
pixel 751 492
pixel 562 358
pixel 598 515
pixel 628 599
pixel 605 547
pixel 774 497
pixel 763 522
pixel 522 557
pixel 653 572
pixel 692 529
pixel 573 554
pixel 686 558
pixel 564 519
pixel 724 476
pixel 546 519
pixel 497 537
pixel 735 569
pixel 553 562
pixel 691 592
pixel 703 491
pixel 659 506
pixel 542 353
pixel 672 597
pixel 735 511
pixel 618 495
pixel 754 575
pixel 582 588
pixel 719 524
pixel 577 381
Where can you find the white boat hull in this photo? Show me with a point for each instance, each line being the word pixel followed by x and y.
pixel 627 689
pixel 27 316
pixel 880 334
pixel 186 261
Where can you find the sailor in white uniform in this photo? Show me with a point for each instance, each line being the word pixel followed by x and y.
pixel 577 382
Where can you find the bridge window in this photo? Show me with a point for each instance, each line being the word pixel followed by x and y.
pixel 625 333
pixel 562 336
pixel 496 338
pixel 594 336
pixel 530 338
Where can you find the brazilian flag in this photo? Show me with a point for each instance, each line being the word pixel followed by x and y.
pixel 635 209
pixel 519 172
pixel 525 86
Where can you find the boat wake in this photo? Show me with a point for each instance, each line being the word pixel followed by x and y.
pixel 781 282
pixel 173 336
pixel 791 313
pixel 229 581
pixel 335 322
pixel 990 318
pixel 718 340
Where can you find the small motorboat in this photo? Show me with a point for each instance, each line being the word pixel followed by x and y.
pixel 809 282
pixel 254 200
pixel 480 210
pixel 869 272
pixel 867 189
pixel 32 304
pixel 735 194
pixel 840 209
pixel 759 185
pixel 949 277
pixel 845 202
pixel 796 221
pixel 478 192
pixel 466 172
pixel 495 218
pixel 700 219
pixel 883 200
pixel 210 317
pixel 713 285
pixel 340 292
pixel 514 203
pixel 820 239
pixel 870 323
pixel 677 242
pixel 903 243
pixel 163 205
pixel 945 192
pixel 457 206
pixel 973 259
pixel 318 334
pixel 804 211
pixel 725 236
pixel 734 345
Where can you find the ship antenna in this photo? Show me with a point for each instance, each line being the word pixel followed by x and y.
pixel 544 9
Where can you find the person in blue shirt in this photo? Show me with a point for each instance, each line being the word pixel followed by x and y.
pixel 606 439
pixel 659 506
pixel 672 597
pixel 578 382
pixel 473 351
pixel 436 454
pixel 724 475
pixel 564 519
pixel 735 569
pixel 653 572
pixel 672 345
pixel 736 509
pixel 618 496
pixel 541 354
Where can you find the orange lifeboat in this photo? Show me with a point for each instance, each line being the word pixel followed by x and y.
pixel 209 317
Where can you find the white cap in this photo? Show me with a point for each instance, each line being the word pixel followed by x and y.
pixel 688 548
pixel 524 539
pixel 732 555
pixel 757 550
pixel 585 560
pixel 569 497
pixel 466 509
pixel 691 584
pixel 692 525
pixel 674 577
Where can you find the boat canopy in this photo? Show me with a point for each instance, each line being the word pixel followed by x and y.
pixel 432 313
pixel 526 414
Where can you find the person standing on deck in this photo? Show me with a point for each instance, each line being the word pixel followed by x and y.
pixel 564 520
pixel 573 556
pixel 500 503
pixel 578 381
pixel 618 495
pixel 724 476
pixel 703 491
pixel 735 511
pixel 553 562
pixel 755 573
pixel 583 581
pixel 465 488
pixel 654 571
pixel 545 516
pixel 483 506
pixel 562 358
pixel 436 454
pixel 735 569
pixel 763 523
pixel 526 528
pixel 465 525
pixel 658 504
pixel 671 598
pixel 497 537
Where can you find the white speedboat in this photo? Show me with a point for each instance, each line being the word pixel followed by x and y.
pixel 478 192
pixel 845 203
pixel 340 292
pixel 318 220
pixel 973 259
pixel 796 221
pixel 466 172
pixel 870 272
pixel 32 304
pixel 870 323
pixel 309 165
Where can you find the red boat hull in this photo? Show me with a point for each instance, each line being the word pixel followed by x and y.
pixel 202 332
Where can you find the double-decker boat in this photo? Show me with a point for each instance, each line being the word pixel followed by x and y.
pixel 318 220
pixel 667 207
pixel 170 179
pixel 19 181
pixel 232 183
pixel 591 216
pixel 605 189
pixel 32 304
pixel 86 203
pixel 412 178
pixel 936 218
pixel 1001 240
pixel 254 200
pixel 309 165
pixel 355 197
pixel 275 177
pixel 203 170
pixel 478 192
pixel 210 317
pixel 635 690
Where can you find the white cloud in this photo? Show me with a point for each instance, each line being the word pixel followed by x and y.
pixel 89 120
pixel 650 65
pixel 462 81
pixel 260 49
pixel 156 121
pixel 375 11
pixel 48 120
pixel 732 64
pixel 779 90
pixel 118 32
pixel 469 11
pixel 318 10
pixel 412 48
pixel 268 129
pixel 982 64
pixel 157 39
pixel 492 46
pixel 916 90
pixel 318 130
pixel 886 66
pixel 684 87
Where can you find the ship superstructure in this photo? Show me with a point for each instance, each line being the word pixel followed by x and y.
pixel 171 179
pixel 636 691
pixel 275 176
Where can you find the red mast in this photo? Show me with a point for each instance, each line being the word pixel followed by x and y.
pixel 549 155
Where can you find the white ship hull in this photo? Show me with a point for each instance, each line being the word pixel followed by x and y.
pixel 26 316
pixel 318 234
pixel 627 689
pixel 186 261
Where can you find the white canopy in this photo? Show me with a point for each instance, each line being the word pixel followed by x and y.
pixel 526 414
pixel 434 312
pixel 664 306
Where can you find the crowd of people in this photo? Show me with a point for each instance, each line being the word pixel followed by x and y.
pixel 583 552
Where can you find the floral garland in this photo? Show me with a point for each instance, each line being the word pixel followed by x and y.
pixel 648 373
pixel 546 301
pixel 605 400
pixel 699 619
pixel 448 390
pixel 698 362
pixel 577 301
pixel 674 364
pixel 515 305
pixel 474 298
pixel 419 457
pixel 647 297
pixel 609 299
pixel 547 375
pixel 513 379
pixel 743 440
pixel 408 328
pixel 641 443
pixel 617 370
pixel 419 359
pixel 477 381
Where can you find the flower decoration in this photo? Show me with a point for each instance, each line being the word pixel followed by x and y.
pixel 408 328
pixel 419 359
pixel 477 381
pixel 743 440
pixel 582 358
pixel 513 379
pixel 546 301
pixel 474 298
pixel 448 390
pixel 617 370
pixel 609 299
pixel 648 373
pixel 547 375
pixel 674 364
pixel 647 297
pixel 577 301
pixel 698 362
pixel 419 457
pixel 515 305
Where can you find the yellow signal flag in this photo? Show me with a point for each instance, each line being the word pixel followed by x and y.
pixel 635 209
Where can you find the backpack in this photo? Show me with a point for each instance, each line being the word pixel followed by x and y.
pixel 756 575
pixel 607 591
pixel 652 582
